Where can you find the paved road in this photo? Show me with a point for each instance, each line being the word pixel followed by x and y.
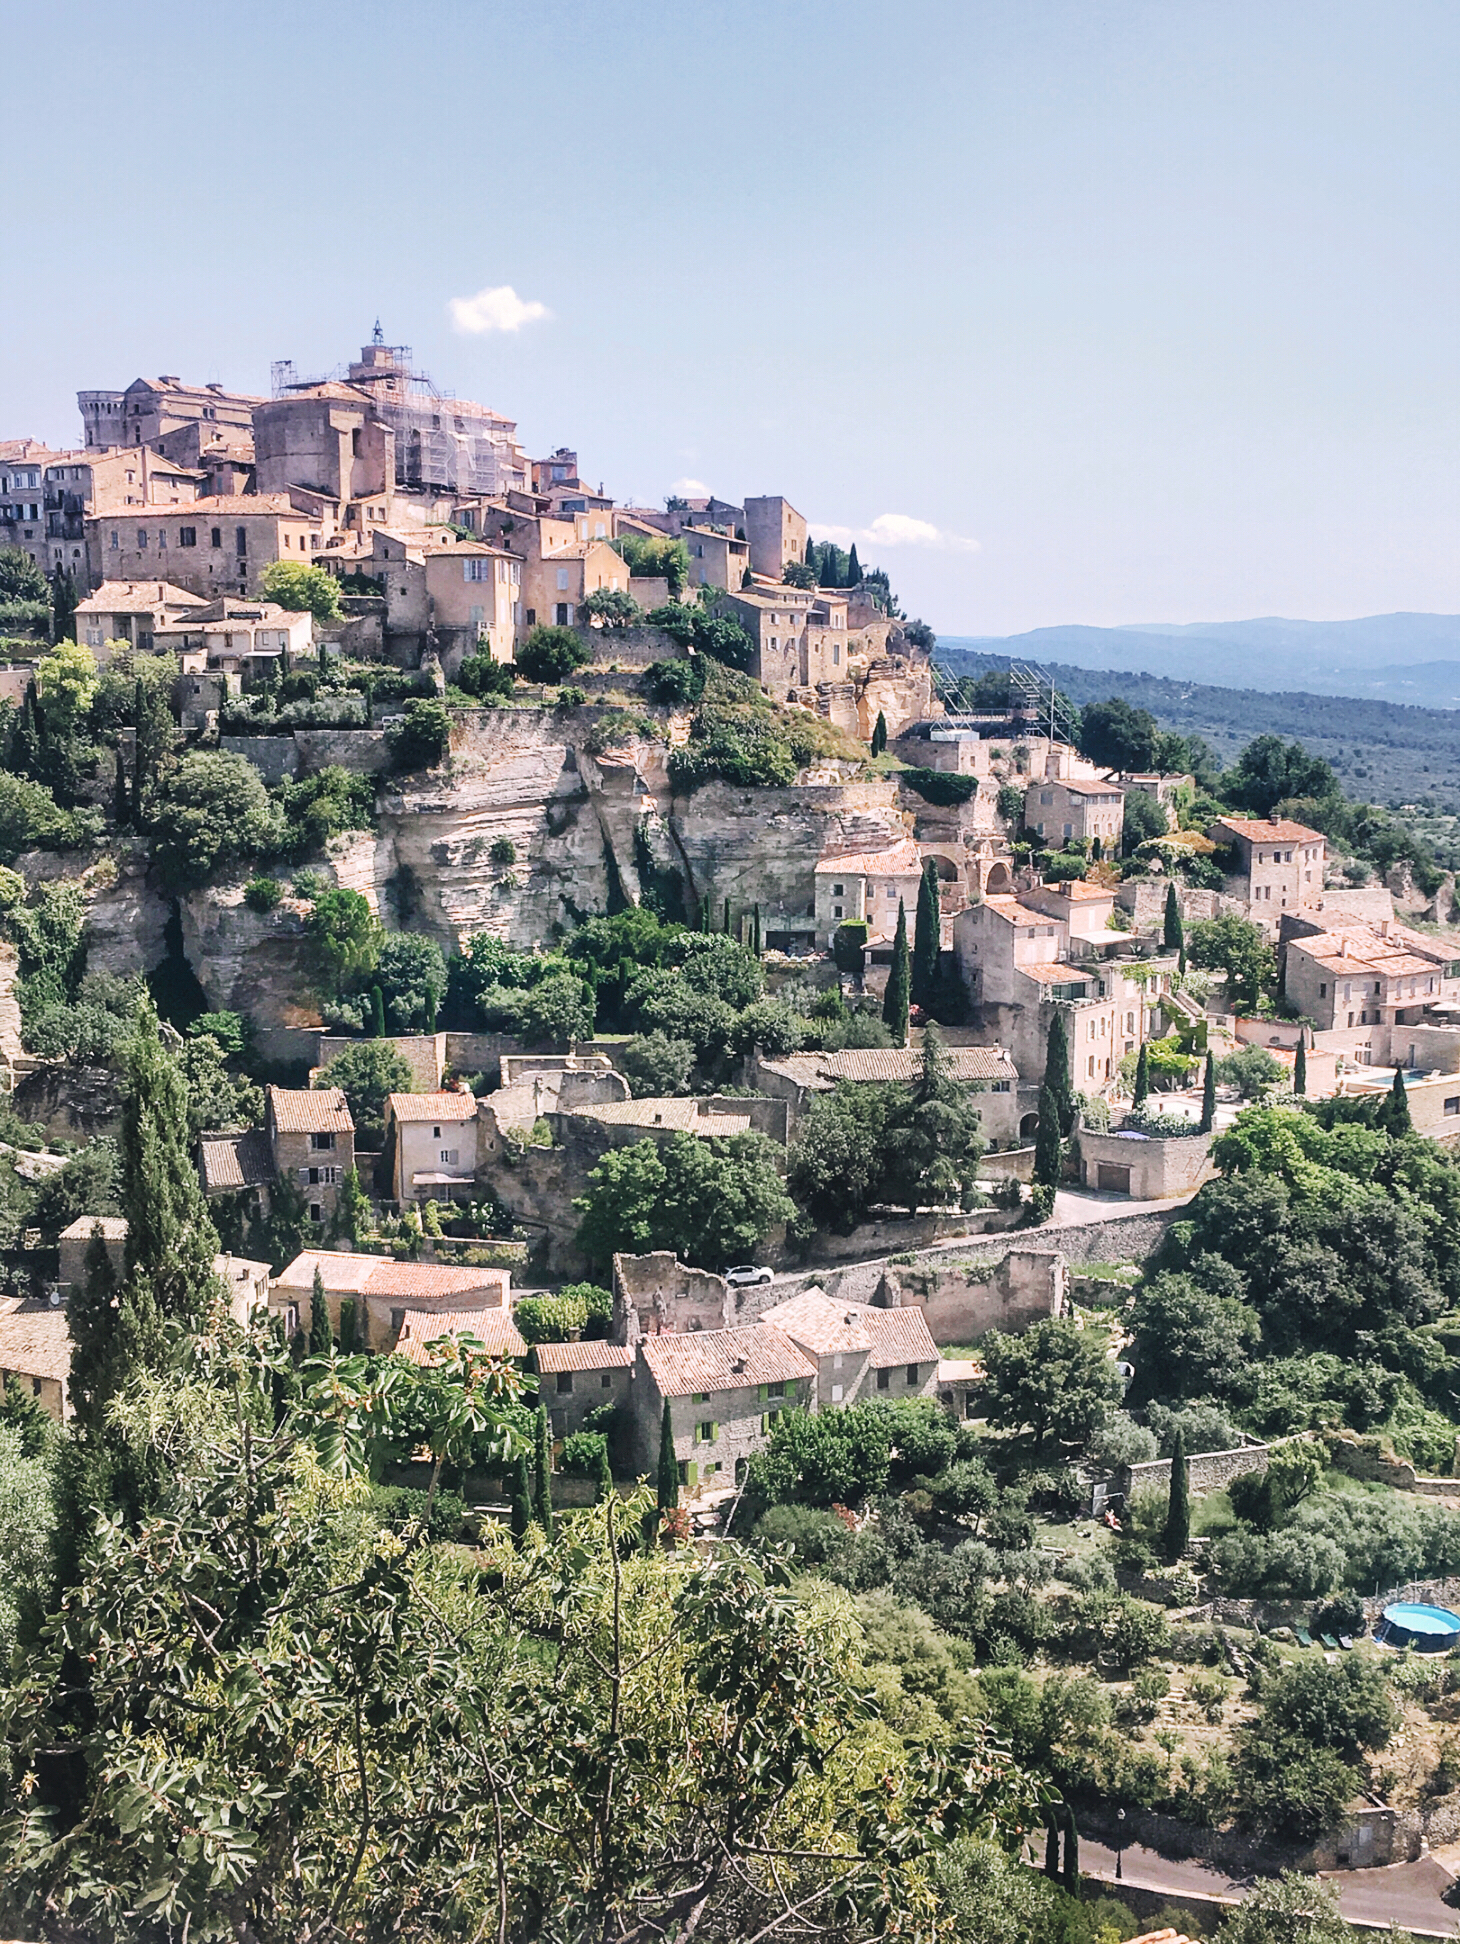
pixel 1407 1894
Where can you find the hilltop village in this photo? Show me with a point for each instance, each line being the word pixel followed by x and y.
pixel 586 970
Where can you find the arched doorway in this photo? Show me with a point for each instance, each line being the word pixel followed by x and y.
pixel 1000 882
pixel 1028 1127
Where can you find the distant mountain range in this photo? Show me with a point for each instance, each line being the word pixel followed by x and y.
pixel 1413 658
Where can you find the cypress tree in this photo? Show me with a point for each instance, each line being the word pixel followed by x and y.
pixel 1173 933
pixel 927 937
pixel 725 927
pixel 91 1317
pixel 321 1337
pixel 433 1004
pixel 1399 1121
pixel 1057 1071
pixel 879 734
pixel 1072 1854
pixel 171 1241
pixel 1300 1070
pixel 706 921
pixel 811 551
pixel 121 810
pixel 755 933
pixel 854 569
pixel 25 744
pixel 602 1474
pixel 377 1013
pixel 1051 1847
pixel 828 574
pixel 1048 1148
pixel 347 1327
pixel 1143 1078
pixel 521 1499
pixel 899 984
pixel 1209 1094
pixel 543 1509
pixel 668 1481
pixel 1178 1502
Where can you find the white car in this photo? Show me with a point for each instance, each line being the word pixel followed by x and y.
pixel 747 1273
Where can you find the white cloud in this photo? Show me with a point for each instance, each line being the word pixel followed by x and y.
pixel 690 489
pixel 497 309
pixel 897 530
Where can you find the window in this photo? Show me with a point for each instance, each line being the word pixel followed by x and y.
pixel 884 1379
pixel 562 580
pixel 477 570
pixel 217 540
pixel 912 1373
pixel 565 1383
pixel 1452 1105
pixel 141 539
pixel 1323 990
pixel 240 540
pixel 837 890
pixel 448 1157
pixel 116 540
pixel 836 1393
pixel 316 1212
pixel 322 1143
pixel 605 1382
pixel 705 1431
pixel 187 536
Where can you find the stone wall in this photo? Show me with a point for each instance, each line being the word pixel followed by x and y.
pixel 1364 1458
pixel 631 647
pixel 657 1294
pixel 1206 1471
pixel 274 757
pixel 961 1302
pixel 900 1235
pixel 1124 1238
pixel 71 1103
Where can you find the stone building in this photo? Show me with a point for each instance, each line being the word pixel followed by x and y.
pixel 452 596
pixel 575 1379
pixel 35 1349
pixel 211 547
pixel 152 409
pixel 798 1078
pixel 131 611
pixel 658 1295
pixel 442 443
pixel 800 634
pixel 860 1352
pixel 330 439
pixel 1278 865
pixel 1071 809
pixel 385 1292
pixel 776 533
pixel 868 885
pixel 1343 974
pixel 432 1141
pixel 724 1389
pixel 311 1137
pixel 237 637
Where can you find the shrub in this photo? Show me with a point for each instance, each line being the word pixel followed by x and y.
pixel 816 1536
pixel 503 851
pixel 302 589
pixel 423 738
pixel 551 653
pixel 399 1507
pixel 262 893
pixel 943 788
pixel 213 811
pixel 485 679
pixel 1251 1070
pixel 674 683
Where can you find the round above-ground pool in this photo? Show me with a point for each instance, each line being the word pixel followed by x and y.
pixel 1427 1629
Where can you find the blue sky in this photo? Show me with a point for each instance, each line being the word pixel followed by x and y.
pixel 1085 311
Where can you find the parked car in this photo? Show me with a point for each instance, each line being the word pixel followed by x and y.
pixel 747 1273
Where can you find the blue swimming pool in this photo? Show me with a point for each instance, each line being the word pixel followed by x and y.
pixel 1427 1629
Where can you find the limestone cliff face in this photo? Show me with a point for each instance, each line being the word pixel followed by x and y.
pixel 582 821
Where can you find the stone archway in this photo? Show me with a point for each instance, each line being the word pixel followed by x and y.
pixel 1028 1126
pixel 1000 881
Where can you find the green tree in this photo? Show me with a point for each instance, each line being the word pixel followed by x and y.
pixel 31 819
pixel 377 1013
pixel 1300 1069
pixel 897 997
pixel 365 1074
pixel 854 568
pixel 321 1336
pixel 20 578
pixel 211 812
pixel 1269 771
pixel 345 939
pixel 423 738
pixel 410 973
pixel 1251 1070
pixel 932 1135
pixel 1048 1147
pixel 1237 948
pixel 1295 1909
pixel 27 1524
pixel 302 589
pixel 543 1449
pixel 1140 1093
pixel 550 654
pixel 622 1203
pixel 349 1327
pixel 557 1011
pixel 158 737
pixel 1397 1120
pixel 1209 1094
pixel 1177 1533
pixel 927 937
pixel 656 557
pixel 65 686
pixel 1173 937
pixel 1189 1339
pixel 521 1517
pixel 879 734
pixel 1055 1381
pixel 1143 820
pixel 656 1065
pixel 667 1492
pixel 834 1168
pixel 171 1242
pixel 1057 1071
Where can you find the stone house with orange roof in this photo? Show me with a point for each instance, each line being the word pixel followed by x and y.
pixel 1276 865
pixel 575 1379
pixel 868 885
pixel 861 1352
pixel 724 1389
pixel 385 1292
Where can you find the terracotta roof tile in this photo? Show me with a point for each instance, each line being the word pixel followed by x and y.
pixel 494 1329
pixel 35 1340
pixel 1268 830
pixel 137 597
pixel 900 1336
pixel 382 1276
pixel 113 1228
pixel 902 859
pixel 236 1161
pixel 720 1360
pixel 432 1106
pixel 594 1354
pixel 309 1110
pixel 818 1324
